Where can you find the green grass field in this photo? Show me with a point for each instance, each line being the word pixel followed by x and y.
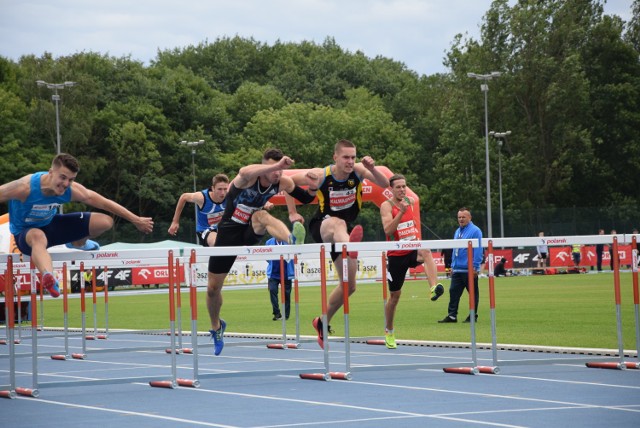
pixel 558 310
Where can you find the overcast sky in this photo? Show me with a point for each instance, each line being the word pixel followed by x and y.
pixel 416 32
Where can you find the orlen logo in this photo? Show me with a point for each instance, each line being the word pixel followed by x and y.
pixel 261 250
pixel 554 241
pixel 408 245
pixel 106 255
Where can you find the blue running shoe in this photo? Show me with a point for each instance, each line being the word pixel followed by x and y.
pixel 88 246
pixel 218 342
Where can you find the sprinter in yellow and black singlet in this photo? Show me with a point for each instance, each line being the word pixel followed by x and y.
pixel 339 192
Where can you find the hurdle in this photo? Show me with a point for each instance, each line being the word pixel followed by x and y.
pixel 473 370
pixel 172 383
pixel 636 295
pixel 193 304
pixel 10 324
pixel 10 283
pixel 345 309
pixel 492 308
pixel 264 252
pixel 420 245
pixel 283 303
pixel 384 299
pixel 325 328
pixel 93 260
pixel 622 364
pixel 105 274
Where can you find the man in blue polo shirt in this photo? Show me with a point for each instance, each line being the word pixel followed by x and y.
pixel 459 266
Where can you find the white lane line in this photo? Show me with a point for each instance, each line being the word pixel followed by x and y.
pixel 128 413
pixel 573 382
pixel 401 414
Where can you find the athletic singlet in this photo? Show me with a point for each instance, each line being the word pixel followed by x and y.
pixel 37 210
pixel 406 230
pixel 210 214
pixel 240 204
pixel 339 198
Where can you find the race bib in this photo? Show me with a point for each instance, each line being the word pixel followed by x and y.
pixel 40 213
pixel 407 231
pixel 242 214
pixel 342 199
pixel 214 218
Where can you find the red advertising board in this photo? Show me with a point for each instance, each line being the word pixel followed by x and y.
pixel 152 275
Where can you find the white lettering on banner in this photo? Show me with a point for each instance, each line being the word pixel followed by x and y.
pixel 122 275
pixel 521 258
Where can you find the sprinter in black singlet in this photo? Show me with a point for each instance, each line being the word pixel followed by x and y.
pixel 244 222
pixel 339 192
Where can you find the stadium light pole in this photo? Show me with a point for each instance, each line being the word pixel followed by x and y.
pixel 484 87
pixel 500 138
pixel 193 145
pixel 56 99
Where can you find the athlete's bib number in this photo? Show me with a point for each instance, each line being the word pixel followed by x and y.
pixel 214 218
pixel 242 214
pixel 407 231
pixel 342 199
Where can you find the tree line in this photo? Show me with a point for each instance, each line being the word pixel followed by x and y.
pixel 569 92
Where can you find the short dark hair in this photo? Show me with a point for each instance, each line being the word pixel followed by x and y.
pixel 275 154
pixel 464 209
pixel 219 178
pixel 395 177
pixel 67 161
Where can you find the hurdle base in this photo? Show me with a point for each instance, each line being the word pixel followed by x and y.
pixel 488 369
pixel 606 365
pixel 192 383
pixel 315 376
pixel 282 346
pixel 178 350
pixel 59 357
pixel 461 370
pixel 631 365
pixel 375 342
pixel 163 384
pixel 340 375
pixel 90 338
pixel 78 356
pixel 187 350
pixel 28 392
pixel 102 336
pixel 7 394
